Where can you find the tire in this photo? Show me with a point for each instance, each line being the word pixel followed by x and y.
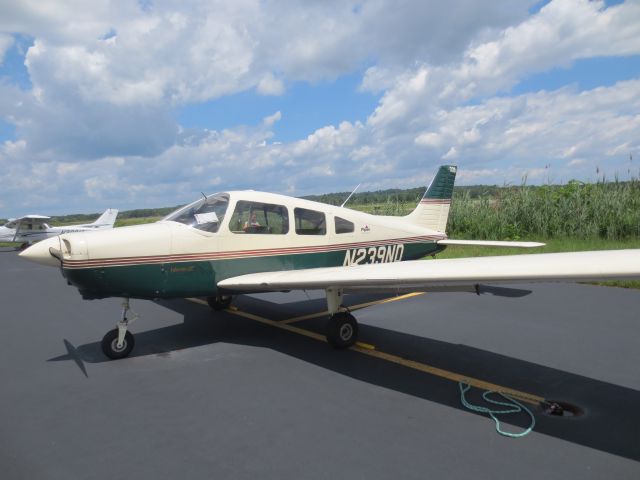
pixel 110 348
pixel 219 302
pixel 342 330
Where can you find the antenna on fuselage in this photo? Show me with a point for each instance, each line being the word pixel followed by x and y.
pixel 354 191
pixel 205 197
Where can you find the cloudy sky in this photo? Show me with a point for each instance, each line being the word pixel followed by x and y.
pixel 133 104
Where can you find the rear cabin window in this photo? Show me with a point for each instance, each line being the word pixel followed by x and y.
pixel 343 226
pixel 259 218
pixel 310 222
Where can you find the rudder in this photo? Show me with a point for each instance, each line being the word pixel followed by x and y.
pixel 107 219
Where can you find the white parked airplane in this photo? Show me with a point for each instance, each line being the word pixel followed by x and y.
pixel 246 241
pixel 33 228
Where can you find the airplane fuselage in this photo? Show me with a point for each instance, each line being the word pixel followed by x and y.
pixel 172 258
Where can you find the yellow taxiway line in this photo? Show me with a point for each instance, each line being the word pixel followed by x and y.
pixel 370 350
pixel 352 308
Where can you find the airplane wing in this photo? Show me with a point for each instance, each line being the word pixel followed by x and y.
pixel 34 218
pixel 418 275
pixel 28 222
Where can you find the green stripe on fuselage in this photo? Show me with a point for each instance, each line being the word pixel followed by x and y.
pixel 199 278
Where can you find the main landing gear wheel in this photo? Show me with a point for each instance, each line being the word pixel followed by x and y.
pixel 110 346
pixel 219 302
pixel 342 330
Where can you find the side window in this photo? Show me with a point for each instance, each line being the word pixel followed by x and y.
pixel 310 222
pixel 343 226
pixel 262 218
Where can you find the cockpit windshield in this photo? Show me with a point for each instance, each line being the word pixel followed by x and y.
pixel 204 214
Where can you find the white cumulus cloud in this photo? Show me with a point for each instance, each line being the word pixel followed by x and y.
pixel 99 121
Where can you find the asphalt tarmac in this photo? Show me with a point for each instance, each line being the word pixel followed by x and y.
pixel 229 395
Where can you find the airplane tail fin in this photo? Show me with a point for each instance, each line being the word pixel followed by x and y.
pixel 433 210
pixel 107 219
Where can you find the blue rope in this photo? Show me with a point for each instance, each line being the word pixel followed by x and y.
pixel 514 407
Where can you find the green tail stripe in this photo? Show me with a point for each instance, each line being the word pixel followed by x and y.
pixel 441 187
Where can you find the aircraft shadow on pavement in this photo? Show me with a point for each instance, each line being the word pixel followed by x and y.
pixel 609 416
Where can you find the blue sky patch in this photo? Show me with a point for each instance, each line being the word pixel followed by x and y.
pixel 12 68
pixel 537 6
pixel 110 34
pixel 304 107
pixel 586 74
pixel 7 131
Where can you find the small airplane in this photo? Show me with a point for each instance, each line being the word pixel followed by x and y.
pixel 33 228
pixel 246 242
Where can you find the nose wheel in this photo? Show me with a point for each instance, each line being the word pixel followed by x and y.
pixel 114 350
pixel 119 342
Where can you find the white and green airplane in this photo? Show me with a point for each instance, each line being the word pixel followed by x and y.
pixel 246 241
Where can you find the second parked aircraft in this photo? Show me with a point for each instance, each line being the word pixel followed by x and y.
pixel 33 228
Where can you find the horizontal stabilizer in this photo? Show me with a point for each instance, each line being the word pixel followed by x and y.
pixel 491 243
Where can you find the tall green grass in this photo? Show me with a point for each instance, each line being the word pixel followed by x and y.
pixel 576 210
pixel 605 210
